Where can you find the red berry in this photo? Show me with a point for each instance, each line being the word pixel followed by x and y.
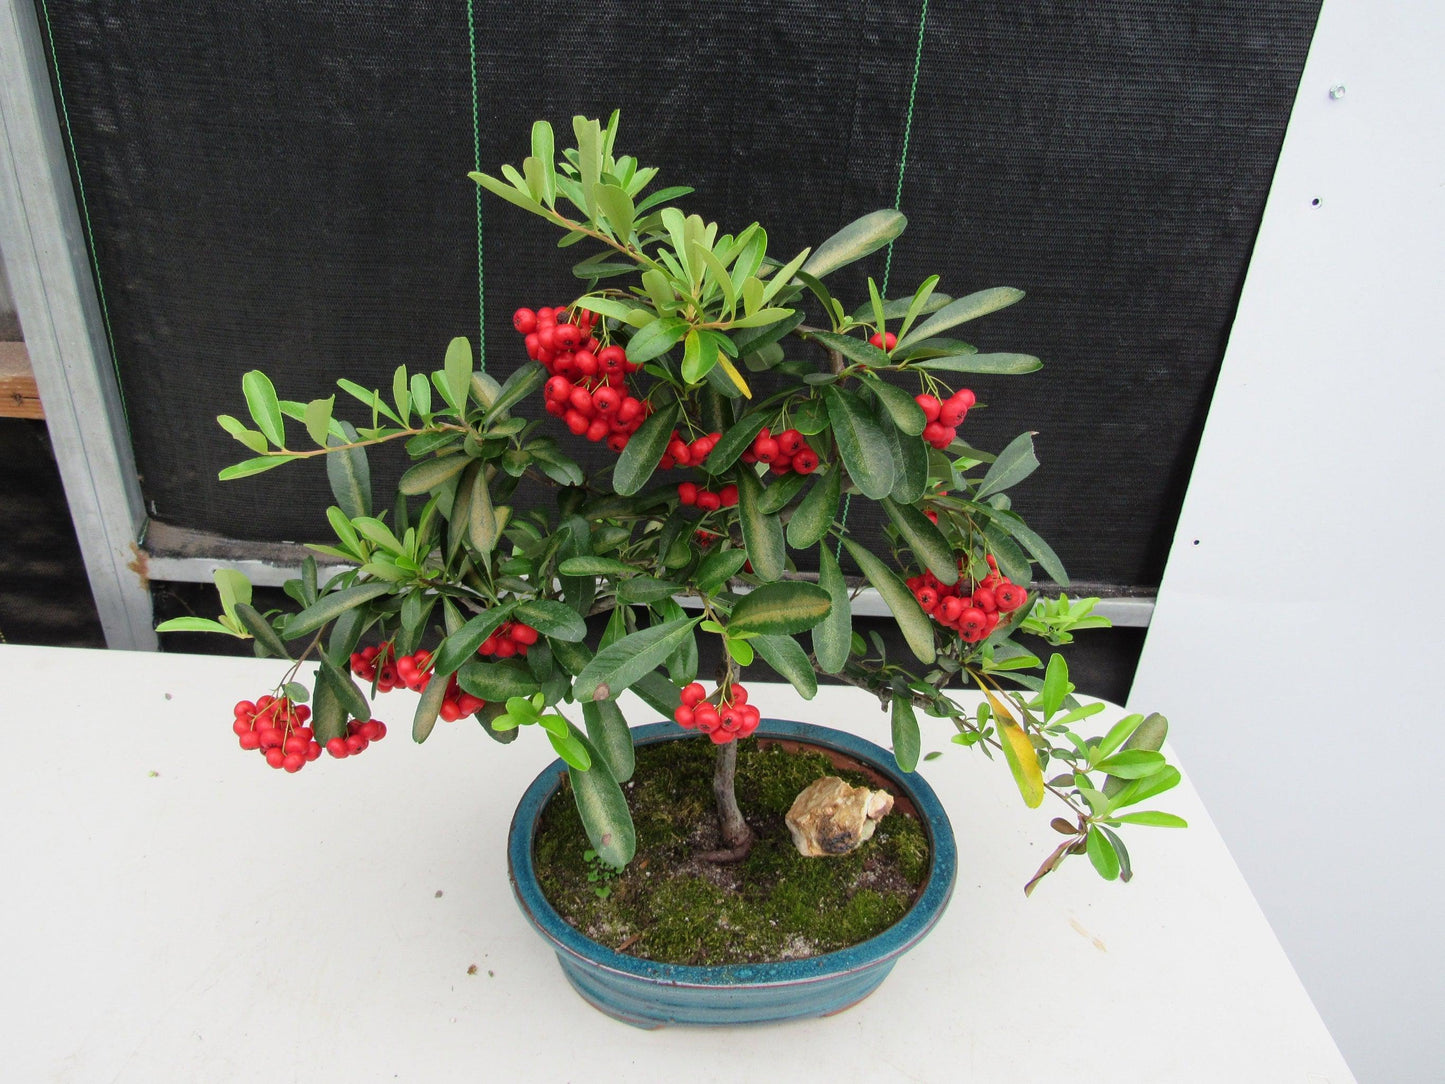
pixel 985 599
pixel 586 362
pixel 1010 596
pixel 791 442
pixel 369 729
pixel 729 494
pixel 606 400
pixel 687 492
pixel 598 429
pixel 885 341
pixel 766 449
pixel 683 716
pixel 567 335
pixel 250 740
pixel 972 618
pixel 706 717
pixel 927 598
pixel 525 321
pixel 294 762
pixel 558 389
pixel 708 502
pixel 630 410
pixel 679 452
pixel 930 405
pixel 450 711
pixel 523 634
pixel 275 757
pixel 576 422
pixel 806 461
pixel 692 694
pixel 617 441
pixel 737 694
pixel 246 708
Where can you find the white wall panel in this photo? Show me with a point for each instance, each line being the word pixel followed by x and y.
pixel 1297 644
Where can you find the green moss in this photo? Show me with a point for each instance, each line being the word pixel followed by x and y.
pixel 671 906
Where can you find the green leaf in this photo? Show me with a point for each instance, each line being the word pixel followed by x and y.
pixel 603 808
pixel 907 415
pixel 1153 819
pixel 1102 854
pixel 261 629
pixel 1139 790
pixel 854 241
pixel 428 707
pixel 350 696
pixel 644 451
pixel 1013 465
pixel 1150 735
pixel 458 370
pixel 249 437
pixel 740 650
pixel 762 533
pixel 430 473
pixel 816 512
pixel 1023 761
pixel 482 526
pixel 699 355
pixel 248 467
pixel 1119 733
pixel 195 624
pixel 735 440
pixel 1132 763
pixel 780 491
pixel 853 349
pixel 960 311
pixel 420 394
pixel 640 589
pixel 596 566
pixel 992 364
pixel 495 682
pixel 233 588
pixel 714 571
pixel 910 464
pixel 833 635
pixel 544 150
pixel 924 539
pixel 656 339
pixel 608 732
pixel 1042 552
pixel 1056 686
pixel 616 207
pixel 786 607
pixel 329 607
pixel 761 318
pixel 615 668
pixel 462 644
pixel 861 443
pixel 265 408
pixel 786 656
pixel 318 418
pixel 349 474
pixel 751 340
pixel 522 383
pixel 907 742
pixel 508 193
pixel 554 620
pixel 916 626
pixel 328 709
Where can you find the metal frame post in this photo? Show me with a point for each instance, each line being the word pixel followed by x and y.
pixel 50 276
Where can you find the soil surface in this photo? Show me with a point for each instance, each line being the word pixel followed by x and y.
pixel 672 906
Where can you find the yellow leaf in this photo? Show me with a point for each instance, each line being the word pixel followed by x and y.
pixel 737 377
pixel 1019 752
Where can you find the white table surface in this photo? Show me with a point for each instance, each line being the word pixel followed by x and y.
pixel 175 910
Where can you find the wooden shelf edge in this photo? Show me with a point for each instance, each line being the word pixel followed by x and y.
pixel 19 398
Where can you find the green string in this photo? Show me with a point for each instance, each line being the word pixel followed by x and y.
pixel 85 214
pixel 897 206
pixel 907 131
pixel 477 153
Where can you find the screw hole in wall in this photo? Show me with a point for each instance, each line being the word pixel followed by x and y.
pixel 1315 202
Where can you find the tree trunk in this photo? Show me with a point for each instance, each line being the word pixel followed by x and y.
pixel 737 837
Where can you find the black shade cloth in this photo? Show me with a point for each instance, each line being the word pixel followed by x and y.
pixel 282 186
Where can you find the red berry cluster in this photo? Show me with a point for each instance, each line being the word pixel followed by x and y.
pixel 278 729
pixel 731 717
pixel 682 453
pixel 973 616
pixel 944 417
pixel 588 387
pixel 785 453
pixel 689 493
pixel 358 736
pixel 412 671
pixel 511 638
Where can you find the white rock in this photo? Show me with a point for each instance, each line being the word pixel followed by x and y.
pixel 830 817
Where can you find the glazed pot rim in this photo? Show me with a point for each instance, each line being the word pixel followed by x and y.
pixel 892 942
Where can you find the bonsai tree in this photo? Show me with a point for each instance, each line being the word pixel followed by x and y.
pixel 743 409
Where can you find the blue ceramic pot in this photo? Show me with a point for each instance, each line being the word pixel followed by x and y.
pixel 650 994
